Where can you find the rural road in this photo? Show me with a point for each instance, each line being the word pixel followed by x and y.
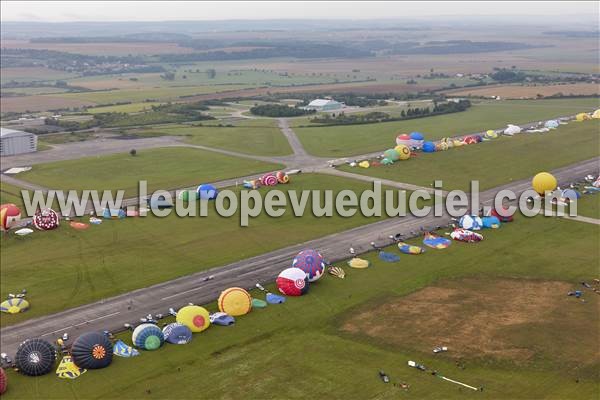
pixel 111 314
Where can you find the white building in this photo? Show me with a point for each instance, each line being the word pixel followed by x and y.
pixel 16 142
pixel 324 105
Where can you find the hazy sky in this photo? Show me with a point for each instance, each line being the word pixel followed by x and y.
pixel 58 11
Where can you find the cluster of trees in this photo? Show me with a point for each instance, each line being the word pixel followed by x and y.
pixel 457 46
pixel 507 76
pixel 279 110
pixel 411 113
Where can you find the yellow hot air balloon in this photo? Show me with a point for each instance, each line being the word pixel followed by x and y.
pixel 235 301
pixel 14 306
pixel 364 164
pixel 358 263
pixel 403 152
pixel 194 317
pixel 582 117
pixel 596 114
pixel 543 182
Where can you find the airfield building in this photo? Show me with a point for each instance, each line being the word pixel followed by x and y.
pixel 324 105
pixel 14 142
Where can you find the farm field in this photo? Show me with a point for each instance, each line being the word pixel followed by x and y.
pixel 124 108
pixel 258 137
pixel 233 360
pixel 348 140
pixel 528 91
pixel 493 163
pixel 28 74
pixel 105 48
pixel 40 103
pixel 65 268
pixel 164 168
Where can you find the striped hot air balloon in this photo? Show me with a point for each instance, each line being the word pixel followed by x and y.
pixel 148 337
pixel 35 357
pixel 338 272
pixel 14 306
pixel 235 301
pixel 268 180
pixel 292 282
pixel 92 350
pixel 311 262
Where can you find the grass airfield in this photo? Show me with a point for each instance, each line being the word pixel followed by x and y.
pixel 268 349
pixel 349 140
pixel 492 163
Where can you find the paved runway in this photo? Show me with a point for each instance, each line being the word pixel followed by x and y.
pixel 112 313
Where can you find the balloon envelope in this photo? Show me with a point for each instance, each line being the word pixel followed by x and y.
pixel 292 282
pixel 3 381
pixel 235 301
pixel 177 333
pixel 148 337
pixel 207 192
pixel 311 262
pixel 10 215
pixel 92 350
pixel 14 306
pixel 194 317
pixel 428 147
pixel 35 357
pixel 543 182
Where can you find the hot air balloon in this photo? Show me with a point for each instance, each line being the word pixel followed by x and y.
pixel 551 124
pixel 207 192
pixel 511 130
pixel 338 272
pixel 403 151
pixel 147 337
pixel 596 114
pixel 68 370
pixel 403 140
pixel 490 134
pixel 282 177
pixel 268 180
pixel 92 350
pixel 35 357
pixel 177 333
pixel 364 164
pixel 123 350
pixel 235 301
pixel 292 282
pixel 416 140
pixel 491 222
pixel 46 219
pixel 194 317
pixel 472 222
pixel 436 242
pixel 428 147
pixel 494 213
pixel 3 381
pixel 410 249
pixel 391 154
pixel 465 235
pixel 358 263
pixel 544 182
pixel 311 262
pixel 582 117
pixel 14 306
pixel 10 215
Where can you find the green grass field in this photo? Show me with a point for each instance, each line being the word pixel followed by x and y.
pixel 296 350
pixel 252 136
pixel 496 162
pixel 61 138
pixel 11 194
pixel 65 268
pixel 164 168
pixel 348 140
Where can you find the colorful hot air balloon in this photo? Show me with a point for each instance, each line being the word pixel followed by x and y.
pixel 403 140
pixel 3 381
pixel 46 219
pixel 177 333
pixel 282 177
pixel 68 370
pixel 311 262
pixel 465 235
pixel 472 222
pixel 14 306
pixel 147 337
pixel 235 301
pixel 10 215
pixel 92 350
pixel 494 213
pixel 403 151
pixel 194 317
pixel 268 180
pixel 410 249
pixel 391 154
pixel 436 242
pixel 544 182
pixel 292 282
pixel 207 192
pixel 123 350
pixel 35 357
